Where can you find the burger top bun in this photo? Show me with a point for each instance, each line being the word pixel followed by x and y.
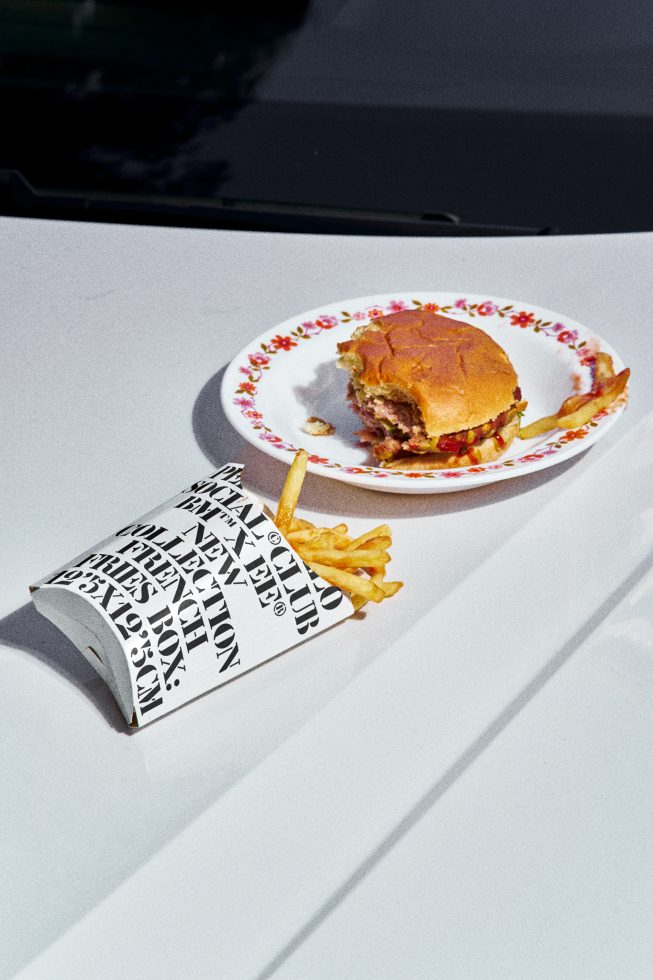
pixel 455 373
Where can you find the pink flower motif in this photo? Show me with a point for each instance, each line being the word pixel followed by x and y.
pixel 451 474
pixel 352 469
pixel 317 459
pixel 567 336
pixel 244 402
pixel 476 469
pixel 252 414
pixel 258 359
pixel 522 319
pixel 531 457
pixel 326 322
pixel 461 304
pixel 431 307
pixel 557 327
pixel 308 325
pixel 270 437
pixel 245 370
pixel 283 343
pixel 395 305
pixel 247 387
pixel 359 315
pixel 414 476
pixel 487 308
pixel 374 311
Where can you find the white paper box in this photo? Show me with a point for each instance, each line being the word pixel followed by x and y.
pixel 196 592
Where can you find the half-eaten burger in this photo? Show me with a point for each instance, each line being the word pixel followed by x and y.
pixel 433 392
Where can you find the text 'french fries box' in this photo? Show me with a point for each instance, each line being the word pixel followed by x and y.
pixel 196 592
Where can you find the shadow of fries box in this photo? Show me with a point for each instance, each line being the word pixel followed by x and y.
pixel 194 593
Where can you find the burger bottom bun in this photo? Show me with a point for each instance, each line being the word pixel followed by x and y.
pixel 484 452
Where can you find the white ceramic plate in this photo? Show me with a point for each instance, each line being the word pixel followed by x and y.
pixel 289 373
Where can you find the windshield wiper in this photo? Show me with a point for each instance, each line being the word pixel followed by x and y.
pixel 18 198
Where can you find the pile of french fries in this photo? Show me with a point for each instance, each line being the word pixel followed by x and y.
pixel 355 565
pixel 580 409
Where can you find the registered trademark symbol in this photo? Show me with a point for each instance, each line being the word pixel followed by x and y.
pixel 279 608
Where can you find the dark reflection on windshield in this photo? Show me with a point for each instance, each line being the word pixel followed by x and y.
pixel 121 95
pixel 430 117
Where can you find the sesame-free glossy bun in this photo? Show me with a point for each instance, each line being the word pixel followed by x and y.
pixel 455 373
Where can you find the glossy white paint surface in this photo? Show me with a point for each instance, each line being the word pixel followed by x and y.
pixel 457 785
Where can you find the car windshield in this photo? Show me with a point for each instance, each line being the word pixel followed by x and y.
pixel 331 115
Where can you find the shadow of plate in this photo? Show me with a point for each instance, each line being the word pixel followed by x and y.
pixel 264 475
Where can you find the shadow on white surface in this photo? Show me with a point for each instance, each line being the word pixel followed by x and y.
pixel 432 564
pixel 85 807
pixel 264 474
pixel 217 439
pixel 25 629
pixel 325 395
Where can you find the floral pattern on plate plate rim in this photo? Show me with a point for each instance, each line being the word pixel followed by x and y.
pixel 260 360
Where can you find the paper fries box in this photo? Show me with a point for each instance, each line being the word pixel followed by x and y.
pixel 196 592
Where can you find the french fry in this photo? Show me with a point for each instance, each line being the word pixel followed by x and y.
pixel 320 536
pixel 381 531
pixel 539 427
pixel 338 558
pixel 332 554
pixel 381 542
pixel 342 541
pixel 611 389
pixel 389 588
pixel 603 367
pixel 326 541
pixel 573 403
pixel 291 490
pixel 348 581
pixel 616 383
pixel 297 524
pixel 358 601
pixel 578 410
pixel 304 534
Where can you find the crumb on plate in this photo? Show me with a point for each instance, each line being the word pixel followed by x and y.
pixel 315 426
